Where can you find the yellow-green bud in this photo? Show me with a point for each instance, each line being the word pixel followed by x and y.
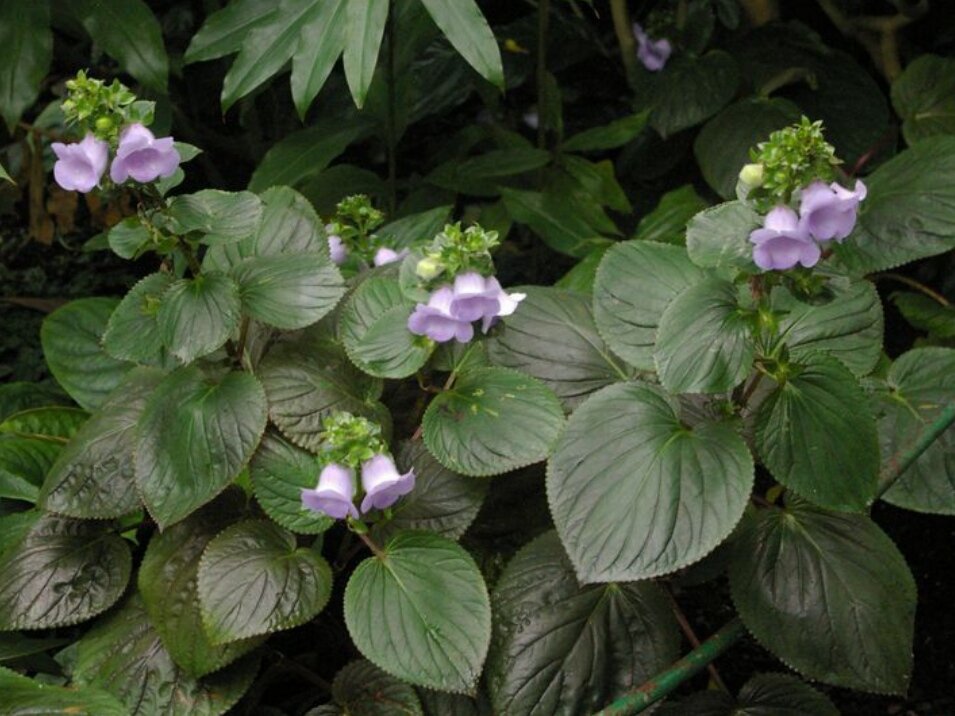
pixel 428 268
pixel 104 124
pixel 751 175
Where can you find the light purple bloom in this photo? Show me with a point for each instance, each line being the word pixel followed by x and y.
pixel 475 297
pixel 384 255
pixel 336 248
pixel 383 484
pixel 829 212
pixel 783 242
pixel 507 303
pixel 652 53
pixel 79 166
pixel 143 157
pixel 436 321
pixel 334 493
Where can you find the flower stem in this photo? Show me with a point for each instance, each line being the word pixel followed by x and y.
pixel 375 549
pixel 917 285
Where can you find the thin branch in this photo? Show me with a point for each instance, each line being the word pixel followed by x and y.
pixel 691 636
pixel 899 463
pixel 917 285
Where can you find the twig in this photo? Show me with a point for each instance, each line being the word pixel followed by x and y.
pixel 691 636
pixel 898 464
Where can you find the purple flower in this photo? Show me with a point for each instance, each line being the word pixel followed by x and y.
pixel 334 493
pixel 652 53
pixel 507 303
pixel 336 248
pixel 475 297
pixel 829 212
pixel 384 255
pixel 143 157
pixel 79 166
pixel 436 321
pixel 783 242
pixel 383 484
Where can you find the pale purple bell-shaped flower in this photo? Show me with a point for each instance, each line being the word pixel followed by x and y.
pixel 143 157
pixel 436 321
pixel 382 483
pixel 80 166
pixel 652 53
pixel 334 493
pixel 829 212
pixel 336 248
pixel 507 303
pixel 783 242
pixel 384 256
pixel 475 297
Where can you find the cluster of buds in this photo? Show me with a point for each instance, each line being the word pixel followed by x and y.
pixel 351 233
pixel 463 258
pixel 796 166
pixel 351 444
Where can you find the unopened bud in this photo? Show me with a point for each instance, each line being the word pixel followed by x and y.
pixel 428 268
pixel 751 175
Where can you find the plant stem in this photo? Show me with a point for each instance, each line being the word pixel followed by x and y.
pixel 194 266
pixel 375 549
pixel 390 121
pixel 243 337
pixel 543 20
pixel 898 464
pixel 692 637
pixel 620 15
pixel 665 682
pixel 917 285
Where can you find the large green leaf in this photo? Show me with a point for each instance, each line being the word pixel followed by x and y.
pixel 15 646
pixel 828 593
pixel 635 493
pixel 636 281
pixel 291 291
pixel 53 422
pixel 374 328
pixel 415 229
pixel 254 580
pixel 667 222
pixel 464 25
pixel 364 30
pixel 920 384
pixel 129 31
pixel 132 332
pixel 61 572
pixel 420 610
pixel 168 586
pixel 224 217
pixel 909 212
pixel 492 421
pixel 816 434
pixel 194 438
pixel 610 136
pixel 198 315
pixel 691 89
pixel 443 502
pixel 24 463
pixel 554 217
pixel 129 238
pixel 124 655
pixel 26 48
pixel 71 338
pixel 226 30
pixel 93 477
pixel 718 237
pixel 279 474
pixel 321 41
pixel 926 313
pixel 362 689
pixel 22 695
pixel 924 97
pixel 703 341
pixel 559 647
pixel 552 337
pixel 762 695
pixel 17 396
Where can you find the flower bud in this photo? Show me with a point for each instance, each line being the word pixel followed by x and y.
pixel 104 125
pixel 751 175
pixel 428 268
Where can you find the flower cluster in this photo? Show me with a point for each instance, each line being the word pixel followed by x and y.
pixel 350 233
pixel 351 443
pixel 653 54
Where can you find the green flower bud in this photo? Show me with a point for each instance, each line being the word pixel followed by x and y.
pixel 428 268
pixel 751 175
pixel 104 125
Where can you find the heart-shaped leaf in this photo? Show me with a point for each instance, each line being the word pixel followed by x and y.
pixel 132 332
pixel 198 315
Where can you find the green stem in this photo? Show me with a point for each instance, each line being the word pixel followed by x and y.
pixel 194 266
pixel 897 465
pixel 664 683
pixel 390 128
pixel 620 15
pixel 691 637
pixel 375 549
pixel 543 19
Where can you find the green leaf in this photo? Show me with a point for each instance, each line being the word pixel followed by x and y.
pixel 480 175
pixel 762 695
pixel 465 27
pixel 124 655
pixel 415 229
pixel 848 326
pixel 362 689
pixel 816 435
pixel 291 291
pixel 26 49
pixel 610 136
pixel 53 422
pixel 555 219
pixel 168 586
pixel 552 337
pixel 691 89
pixel 920 384
pixel 129 32
pixel 17 396
pixel 194 438
pixel 667 222
pixel 279 474
pixel 722 146
pixel 24 462
pixel 225 30
pixel 909 212
pixel 93 478
pixel 187 152
pixel 321 41
pixel 827 593
pixel 224 217
pixel 598 180
pixel 718 237
pixel 364 30
pixel 924 97
pixel 198 315
pixel 71 338
pixel 129 238
pixel 253 580
pixel 5 175
pixel 443 502
pixel 703 341
pixel 492 421
pixel 374 328
pixel 22 695
pixel 636 281
pixel 420 611
pixel 61 572
pixel 132 332
pixel 635 493
pixel 559 647
pixel 583 275
pixel 926 313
